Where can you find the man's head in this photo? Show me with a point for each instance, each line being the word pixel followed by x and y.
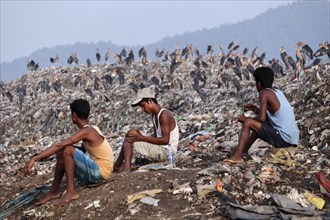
pixel 264 76
pixel 144 98
pixel 81 108
pixel 143 95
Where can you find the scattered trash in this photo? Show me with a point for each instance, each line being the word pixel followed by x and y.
pixel 96 204
pixel 23 199
pixel 248 175
pixel 219 185
pixel 278 205
pixel 324 183
pixel 133 209
pixel 153 166
pixel 282 156
pixel 149 201
pixel 214 169
pixel 317 201
pixel 298 198
pixel 184 188
pixel 202 190
pixel 140 195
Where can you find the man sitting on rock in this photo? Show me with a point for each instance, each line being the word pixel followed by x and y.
pixel 72 161
pixel 275 122
pixel 154 147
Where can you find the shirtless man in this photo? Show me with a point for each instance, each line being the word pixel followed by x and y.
pixel 275 122
pixel 166 132
pixel 72 161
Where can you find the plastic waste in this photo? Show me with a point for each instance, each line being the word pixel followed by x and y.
pixel 316 201
pixel 202 190
pixel 140 195
pixel 149 201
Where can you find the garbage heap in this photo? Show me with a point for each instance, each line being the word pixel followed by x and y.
pixel 35 113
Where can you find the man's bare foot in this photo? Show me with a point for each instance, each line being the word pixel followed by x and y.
pixel 118 169
pixel 124 172
pixel 67 197
pixel 47 197
pixel 233 161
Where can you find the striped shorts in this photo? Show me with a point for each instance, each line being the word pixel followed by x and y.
pixel 86 170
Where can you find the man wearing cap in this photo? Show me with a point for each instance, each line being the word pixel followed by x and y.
pixel 166 132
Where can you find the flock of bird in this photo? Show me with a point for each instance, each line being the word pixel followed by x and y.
pixel 238 64
pixel 227 68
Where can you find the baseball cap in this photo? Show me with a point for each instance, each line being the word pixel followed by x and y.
pixel 148 92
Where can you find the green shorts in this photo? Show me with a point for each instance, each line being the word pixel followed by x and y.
pixel 151 151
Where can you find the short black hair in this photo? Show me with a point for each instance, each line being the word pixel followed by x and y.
pixel 146 100
pixel 81 108
pixel 265 76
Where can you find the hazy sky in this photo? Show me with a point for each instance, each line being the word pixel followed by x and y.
pixel 27 26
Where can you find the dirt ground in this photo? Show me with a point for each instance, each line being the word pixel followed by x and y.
pixel 112 195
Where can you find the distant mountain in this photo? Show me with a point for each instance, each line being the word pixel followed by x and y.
pixel 306 21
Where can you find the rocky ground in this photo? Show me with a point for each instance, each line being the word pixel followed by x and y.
pixel 34 114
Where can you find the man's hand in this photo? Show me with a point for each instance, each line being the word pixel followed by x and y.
pixel 134 138
pixel 241 118
pixel 28 167
pixel 249 107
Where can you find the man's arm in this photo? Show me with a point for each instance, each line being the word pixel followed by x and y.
pixel 164 121
pixel 250 107
pixel 263 97
pixel 55 148
pixel 262 116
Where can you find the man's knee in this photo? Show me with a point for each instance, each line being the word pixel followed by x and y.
pixel 132 132
pixel 248 122
pixel 69 150
pixel 252 124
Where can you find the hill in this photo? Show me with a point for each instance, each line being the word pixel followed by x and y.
pixel 34 113
pixel 306 21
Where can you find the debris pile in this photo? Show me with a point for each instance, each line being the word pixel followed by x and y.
pixel 34 113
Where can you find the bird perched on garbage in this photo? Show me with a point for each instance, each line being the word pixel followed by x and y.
pixel 276 67
pixel 89 63
pixel 117 58
pixel 287 60
pixel 210 49
pixel 73 58
pixel 283 54
pixel 245 51
pixel 186 51
pixel 177 52
pixel 57 85
pixel 196 52
pixel 54 59
pixel 236 47
pixel 98 55
pixel 32 66
pixel 143 54
pixel 130 59
pixel 123 53
pixel 157 53
pixel 307 50
pixel 323 50
pixel 254 53
pixel 299 55
pixel 107 55
pixel 231 44
pixel 174 65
